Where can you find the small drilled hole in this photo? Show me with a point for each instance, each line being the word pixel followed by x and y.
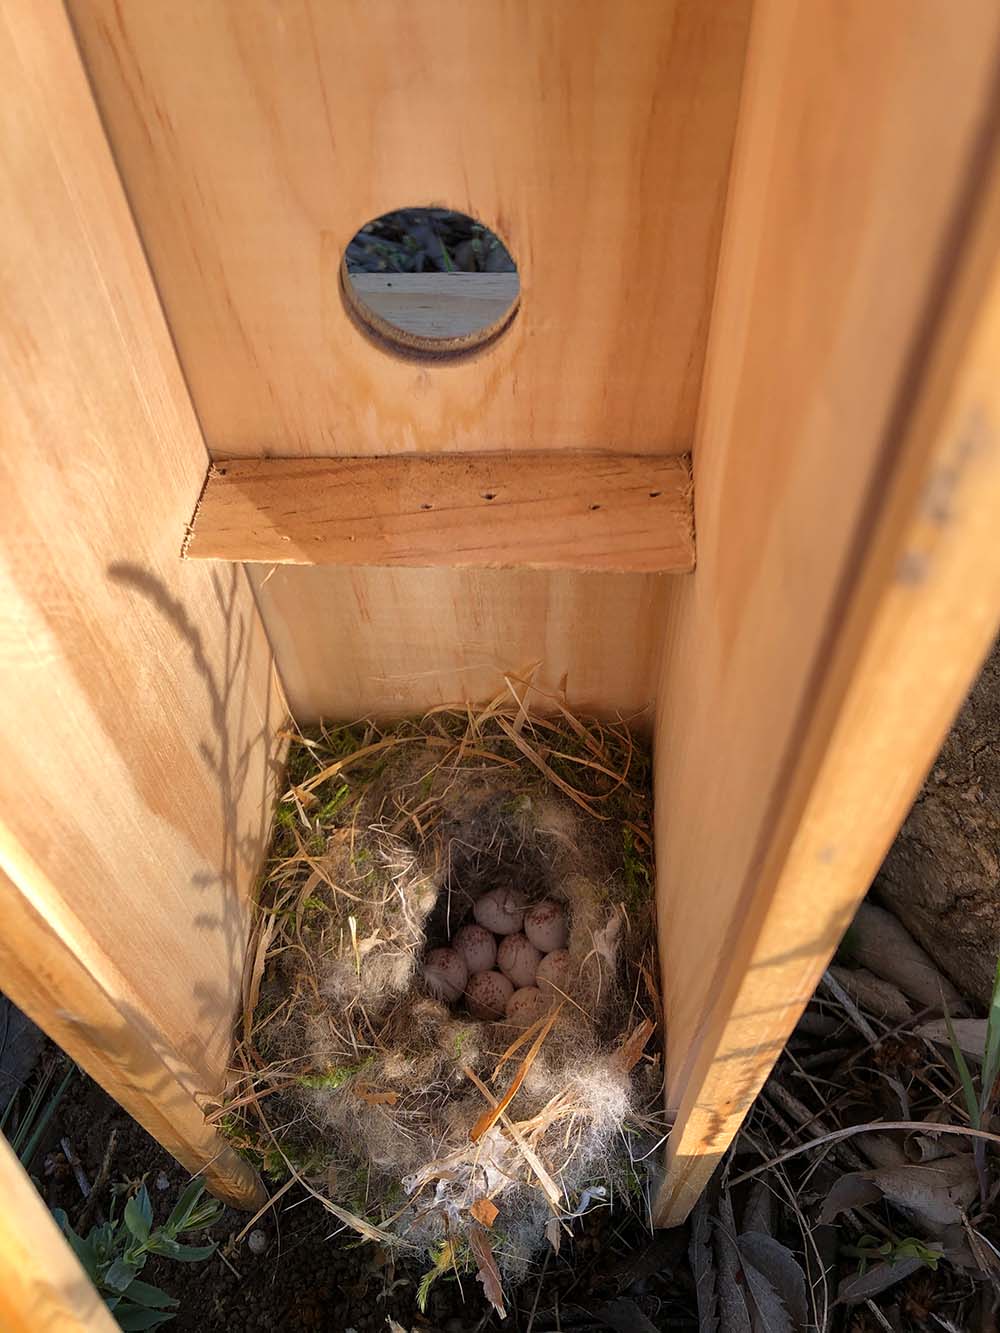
pixel 426 506
pixel 595 507
pixel 653 495
pixel 429 280
pixel 489 495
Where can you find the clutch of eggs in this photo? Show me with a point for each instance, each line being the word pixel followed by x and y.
pixel 517 976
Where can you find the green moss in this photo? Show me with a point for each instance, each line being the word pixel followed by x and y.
pixel 334 1077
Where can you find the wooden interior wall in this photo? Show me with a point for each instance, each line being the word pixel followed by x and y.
pixel 847 481
pixel 139 702
pixel 254 139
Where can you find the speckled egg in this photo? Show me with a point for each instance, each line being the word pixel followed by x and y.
pixel 487 994
pixel 445 974
pixel 526 1006
pixel 545 926
pixel 518 959
pixel 553 971
pixel 500 910
pixel 477 946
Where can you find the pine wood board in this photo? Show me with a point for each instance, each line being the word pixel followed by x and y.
pixel 594 139
pixel 850 385
pixel 604 512
pixel 254 140
pixel 139 703
pixel 386 642
pixel 42 1283
pixel 442 307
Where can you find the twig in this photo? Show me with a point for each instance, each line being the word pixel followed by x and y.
pixel 921 1126
pixel 830 983
pixel 91 1206
pixel 804 1117
pixel 878 1315
pixel 538 1291
pixel 69 1152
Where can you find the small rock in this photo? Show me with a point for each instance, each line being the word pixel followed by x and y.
pixel 162 1183
pixel 258 1241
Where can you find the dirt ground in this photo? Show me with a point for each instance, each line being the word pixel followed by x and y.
pixel 942 876
pixel 615 1275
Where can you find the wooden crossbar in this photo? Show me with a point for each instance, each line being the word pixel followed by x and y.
pixel 608 512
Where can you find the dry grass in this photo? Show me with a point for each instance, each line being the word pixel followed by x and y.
pixel 415 1125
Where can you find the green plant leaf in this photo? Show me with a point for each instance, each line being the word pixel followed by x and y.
pixel 134 1319
pixel 185 1205
pixel 84 1250
pixel 139 1214
pixel 184 1254
pixel 142 1293
pixel 968 1087
pixel 991 1055
pixel 119 1275
pixel 206 1214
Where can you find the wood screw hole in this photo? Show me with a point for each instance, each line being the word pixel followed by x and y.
pixel 489 495
pixel 426 506
pixel 595 507
pixel 654 495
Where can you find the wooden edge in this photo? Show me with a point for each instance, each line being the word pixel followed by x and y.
pixel 46 957
pixel 42 1283
pixel 378 319
pixel 438 308
pixel 920 606
pixel 613 513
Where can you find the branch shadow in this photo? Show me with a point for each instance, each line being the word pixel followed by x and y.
pixel 237 748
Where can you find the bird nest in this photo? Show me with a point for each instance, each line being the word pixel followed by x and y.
pixel 422 1119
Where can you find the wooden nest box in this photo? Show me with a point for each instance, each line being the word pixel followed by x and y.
pixel 727 461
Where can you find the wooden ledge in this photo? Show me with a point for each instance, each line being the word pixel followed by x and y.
pixel 553 510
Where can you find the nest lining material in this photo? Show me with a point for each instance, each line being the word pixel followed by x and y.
pixel 418 1126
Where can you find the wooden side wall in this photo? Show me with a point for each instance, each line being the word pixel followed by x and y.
pixel 254 139
pixel 847 477
pixel 42 1284
pixel 139 702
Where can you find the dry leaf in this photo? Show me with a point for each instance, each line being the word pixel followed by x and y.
pixel 372 1098
pixel 853 1190
pixel 629 1054
pixel 758 1215
pixel 781 1269
pixel 933 1194
pixel 482 1252
pixel 624 1316
pixel 874 994
pixel 880 1277
pixel 485 1211
pixel 703 1267
pixel 878 941
pixel 733 1314
pixel 970 1033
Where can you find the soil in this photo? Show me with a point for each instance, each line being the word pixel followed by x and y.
pixel 942 874
pixel 613 1275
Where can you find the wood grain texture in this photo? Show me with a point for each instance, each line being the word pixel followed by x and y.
pixel 610 512
pixel 439 311
pixel 255 139
pixel 805 690
pixel 594 139
pixel 139 703
pixel 43 1288
pixel 366 642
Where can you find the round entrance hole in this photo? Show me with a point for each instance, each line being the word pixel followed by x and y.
pixel 430 281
